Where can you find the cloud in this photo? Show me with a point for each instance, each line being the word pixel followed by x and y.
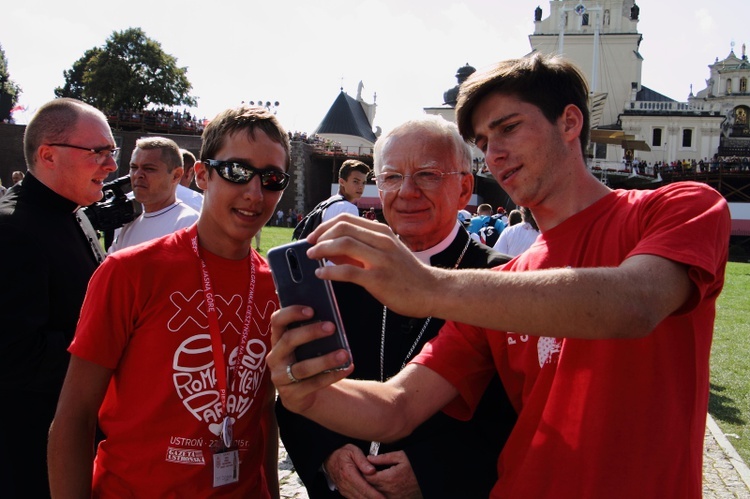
pixel 704 20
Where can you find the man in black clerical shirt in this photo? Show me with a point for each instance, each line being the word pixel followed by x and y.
pixel 49 250
pixel 423 174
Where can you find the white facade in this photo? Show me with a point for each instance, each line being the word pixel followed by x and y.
pixel 612 64
pixel 728 91
pixel 628 119
pixel 689 135
pixel 602 38
pixel 605 46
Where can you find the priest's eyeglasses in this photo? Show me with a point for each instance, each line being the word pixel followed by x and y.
pixel 428 178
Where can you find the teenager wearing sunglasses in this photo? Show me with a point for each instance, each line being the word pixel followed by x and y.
pixel 170 349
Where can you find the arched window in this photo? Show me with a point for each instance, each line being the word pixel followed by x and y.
pixel 729 86
pixel 743 85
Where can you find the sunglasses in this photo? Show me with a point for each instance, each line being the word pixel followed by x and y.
pixel 240 173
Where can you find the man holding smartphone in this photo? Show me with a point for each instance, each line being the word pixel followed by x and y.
pixel 601 331
pixel 169 353
pixel 423 173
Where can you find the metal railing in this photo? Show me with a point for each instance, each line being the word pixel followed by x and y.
pixel 673 107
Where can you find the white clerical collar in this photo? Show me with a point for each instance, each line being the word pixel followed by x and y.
pixel 425 255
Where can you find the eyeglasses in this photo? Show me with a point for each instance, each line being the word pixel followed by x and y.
pixel 102 153
pixel 429 178
pixel 240 173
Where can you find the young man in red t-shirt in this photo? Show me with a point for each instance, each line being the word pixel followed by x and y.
pixel 600 332
pixel 169 353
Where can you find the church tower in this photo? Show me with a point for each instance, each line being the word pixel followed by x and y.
pixel 601 37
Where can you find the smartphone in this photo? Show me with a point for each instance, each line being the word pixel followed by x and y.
pixel 296 284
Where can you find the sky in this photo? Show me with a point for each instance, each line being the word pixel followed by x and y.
pixel 301 53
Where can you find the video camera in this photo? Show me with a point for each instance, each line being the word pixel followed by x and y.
pixel 115 209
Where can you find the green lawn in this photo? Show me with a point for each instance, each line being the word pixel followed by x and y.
pixel 730 356
pixel 272 236
pixel 730 360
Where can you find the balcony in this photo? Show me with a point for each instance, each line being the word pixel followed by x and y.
pixel 681 108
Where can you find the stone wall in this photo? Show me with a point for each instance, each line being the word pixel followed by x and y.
pixel 12 158
pixel 311 176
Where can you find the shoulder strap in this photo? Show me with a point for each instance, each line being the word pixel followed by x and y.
pixel 328 202
pixel 313 218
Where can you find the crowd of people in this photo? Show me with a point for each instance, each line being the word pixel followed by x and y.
pixel 509 233
pixel 289 219
pixel 324 145
pixel 177 121
pixel 728 164
pixel 157 120
pixel 312 138
pixel 166 366
pixel 718 164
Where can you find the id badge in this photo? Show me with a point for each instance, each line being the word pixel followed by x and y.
pixel 226 467
pixel 227 432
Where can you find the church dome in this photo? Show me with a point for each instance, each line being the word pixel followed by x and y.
pixel 451 95
pixel 464 72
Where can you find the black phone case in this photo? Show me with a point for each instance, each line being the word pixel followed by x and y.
pixel 296 284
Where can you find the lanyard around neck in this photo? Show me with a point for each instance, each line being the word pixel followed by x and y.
pixel 217 346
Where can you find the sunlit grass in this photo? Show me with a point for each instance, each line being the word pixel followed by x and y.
pixel 272 236
pixel 730 360
pixel 730 355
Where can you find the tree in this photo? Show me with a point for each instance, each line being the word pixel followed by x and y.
pixel 131 71
pixel 9 90
pixel 74 77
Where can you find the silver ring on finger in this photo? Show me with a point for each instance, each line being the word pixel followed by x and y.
pixel 290 374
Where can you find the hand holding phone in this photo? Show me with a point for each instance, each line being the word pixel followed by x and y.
pixel 296 284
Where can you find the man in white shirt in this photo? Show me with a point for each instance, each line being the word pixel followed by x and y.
pixel 155 171
pixel 352 179
pixel 516 239
pixel 185 193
